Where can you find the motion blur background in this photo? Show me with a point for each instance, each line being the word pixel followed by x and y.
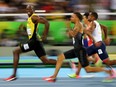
pixel 13 32
pixel 12 27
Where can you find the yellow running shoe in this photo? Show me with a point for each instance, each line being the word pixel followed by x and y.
pixel 73 76
pixel 106 80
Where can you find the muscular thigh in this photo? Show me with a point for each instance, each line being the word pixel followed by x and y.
pixel 102 53
pixel 39 49
pixel 70 54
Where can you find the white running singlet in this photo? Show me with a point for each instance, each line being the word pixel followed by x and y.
pixel 97 33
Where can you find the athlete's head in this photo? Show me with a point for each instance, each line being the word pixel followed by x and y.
pixel 75 17
pixel 93 16
pixel 30 9
pixel 85 17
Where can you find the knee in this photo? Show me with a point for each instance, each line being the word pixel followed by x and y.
pixel 46 62
pixel 88 70
pixel 61 57
pixel 16 51
pixel 107 61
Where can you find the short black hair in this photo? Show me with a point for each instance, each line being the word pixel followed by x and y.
pixel 31 6
pixel 94 14
pixel 86 14
pixel 78 15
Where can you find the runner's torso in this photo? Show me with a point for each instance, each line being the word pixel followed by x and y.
pixel 32 28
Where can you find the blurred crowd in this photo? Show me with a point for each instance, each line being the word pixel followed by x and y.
pixel 7 38
pixel 60 6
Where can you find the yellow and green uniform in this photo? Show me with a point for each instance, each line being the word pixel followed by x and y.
pixel 31 29
pixel 34 42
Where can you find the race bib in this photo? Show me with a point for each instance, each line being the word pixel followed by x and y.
pixel 73 40
pixel 100 51
pixel 29 31
pixel 26 46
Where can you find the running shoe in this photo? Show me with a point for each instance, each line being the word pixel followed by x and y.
pixel 113 73
pixel 107 80
pixel 49 79
pixel 110 78
pixel 74 76
pixel 11 78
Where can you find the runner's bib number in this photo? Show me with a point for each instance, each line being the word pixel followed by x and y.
pixel 29 31
pixel 73 40
pixel 100 51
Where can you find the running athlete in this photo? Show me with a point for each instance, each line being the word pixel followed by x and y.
pixel 34 42
pixel 99 47
pixel 78 50
pixel 88 42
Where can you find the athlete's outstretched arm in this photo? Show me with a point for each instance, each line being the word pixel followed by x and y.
pixel 104 28
pixel 107 40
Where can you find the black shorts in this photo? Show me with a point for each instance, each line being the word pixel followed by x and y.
pixel 74 54
pixel 35 45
